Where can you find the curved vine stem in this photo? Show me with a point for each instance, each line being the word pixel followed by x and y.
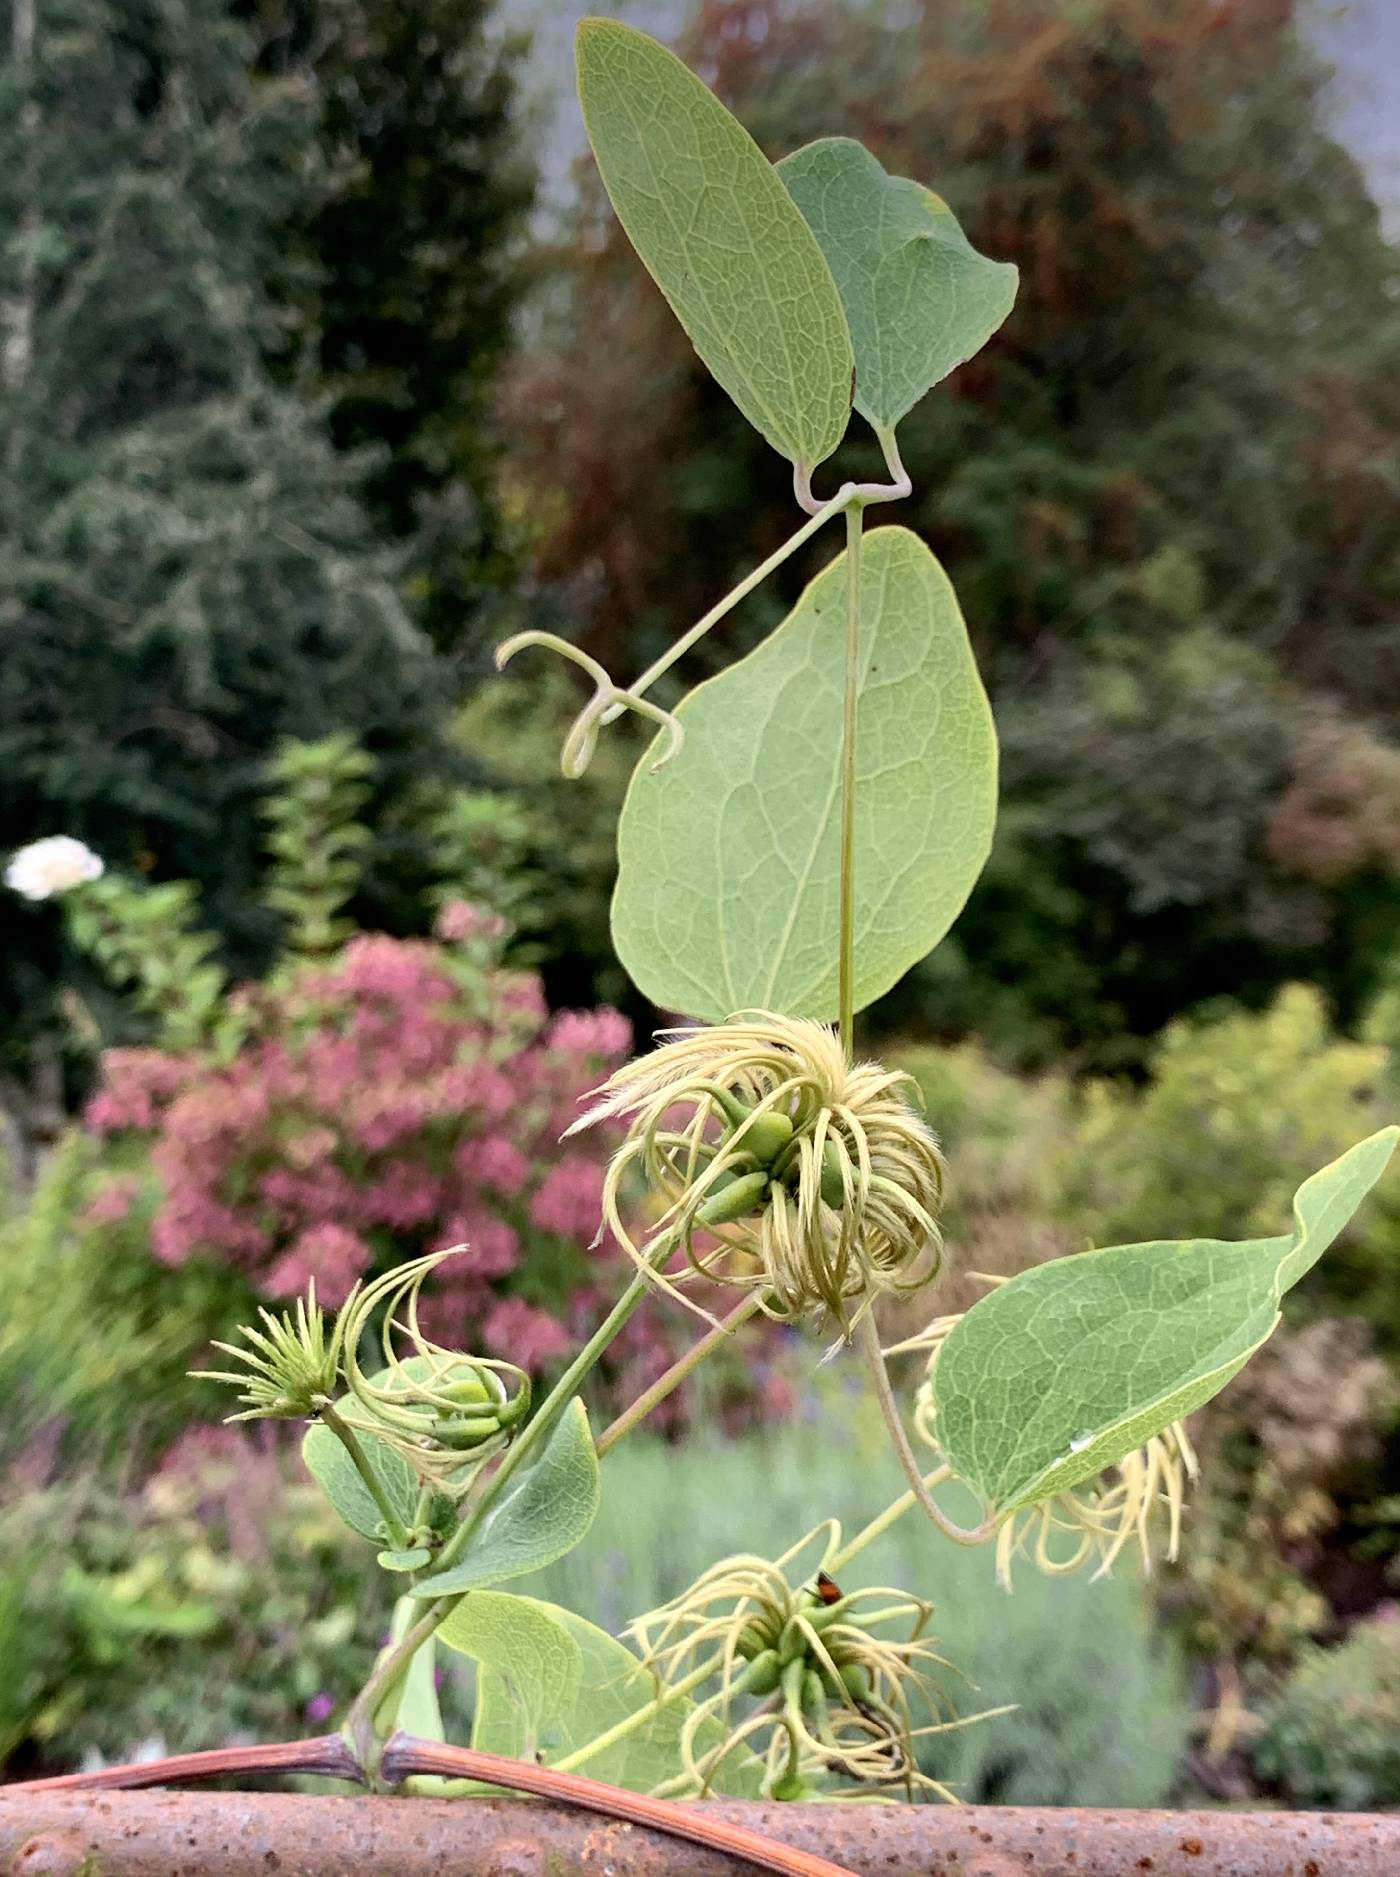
pixel 405 1755
pixel 666 1384
pixel 889 1408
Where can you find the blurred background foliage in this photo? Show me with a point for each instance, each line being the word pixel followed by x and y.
pixel 304 403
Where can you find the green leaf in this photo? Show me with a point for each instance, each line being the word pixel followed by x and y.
pixel 1056 1375
pixel 334 1472
pixel 531 1666
pixel 722 238
pixel 412 1560
pixel 728 889
pixel 543 1513
pixel 919 298
pixel 611 1685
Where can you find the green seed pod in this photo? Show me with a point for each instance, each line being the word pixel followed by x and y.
pixel 734 1202
pixel 833 1189
pixel 813 1694
pixel 856 1680
pixel 791 1786
pixel 753 1640
pixel 466 1432
pixel 762 1675
pixel 825 1615
pixel 468 1388
pixel 766 1136
pixel 515 1406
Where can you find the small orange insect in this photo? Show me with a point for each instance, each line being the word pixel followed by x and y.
pixel 828 1589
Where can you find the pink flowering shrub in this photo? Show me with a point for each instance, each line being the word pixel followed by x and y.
pixel 400 1098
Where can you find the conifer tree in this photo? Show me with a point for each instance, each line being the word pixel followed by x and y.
pixel 413 263
pixel 187 573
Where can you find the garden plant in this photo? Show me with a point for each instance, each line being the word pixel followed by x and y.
pixel 806 826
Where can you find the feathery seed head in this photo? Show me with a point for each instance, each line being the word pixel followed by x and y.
pixel 782 1167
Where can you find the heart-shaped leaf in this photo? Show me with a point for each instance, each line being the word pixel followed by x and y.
pixel 541 1514
pixel 335 1473
pixel 919 298
pixel 610 1686
pixel 1054 1376
pixel 728 889
pixel 535 1666
pixel 722 238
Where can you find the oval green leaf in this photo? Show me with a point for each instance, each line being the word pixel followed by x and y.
pixel 542 1513
pixel 1050 1378
pixel 556 1713
pixel 334 1472
pixel 531 1667
pixel 722 238
pixel 919 298
pixel 728 886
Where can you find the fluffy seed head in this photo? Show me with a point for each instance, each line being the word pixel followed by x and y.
pixel 798 1672
pixel 442 1411
pixel 781 1166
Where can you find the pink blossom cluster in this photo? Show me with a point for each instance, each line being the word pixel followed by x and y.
pixel 385 1104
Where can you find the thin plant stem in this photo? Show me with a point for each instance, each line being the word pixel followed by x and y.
pixel 558 1397
pixel 347 1437
pixel 679 1370
pixel 889 1408
pixel 359 1721
pixel 850 712
pixel 878 1526
pixel 359 1727
pixel 659 667
pixel 638 1718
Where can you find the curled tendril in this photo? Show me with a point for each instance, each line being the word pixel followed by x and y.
pixel 799 1672
pixel 441 1411
pixel 607 700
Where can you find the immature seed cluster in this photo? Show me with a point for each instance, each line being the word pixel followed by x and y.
pixel 797 1673
pixel 781 1166
pixel 442 1412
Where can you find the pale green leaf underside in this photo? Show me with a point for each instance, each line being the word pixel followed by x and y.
pixel 541 1514
pixel 722 238
pixel 334 1472
pixel 611 1685
pixel 728 885
pixel 1058 1374
pixel 919 298
pixel 530 1667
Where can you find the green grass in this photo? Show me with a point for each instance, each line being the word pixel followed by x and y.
pixel 1103 1715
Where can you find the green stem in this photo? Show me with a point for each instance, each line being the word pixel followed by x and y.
pixel 348 1439
pixel 682 1367
pixel 638 1718
pixel 889 1408
pixel 878 1526
pixel 359 1723
pixel 558 1397
pixel 390 1668
pixel 849 725
pixel 731 599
